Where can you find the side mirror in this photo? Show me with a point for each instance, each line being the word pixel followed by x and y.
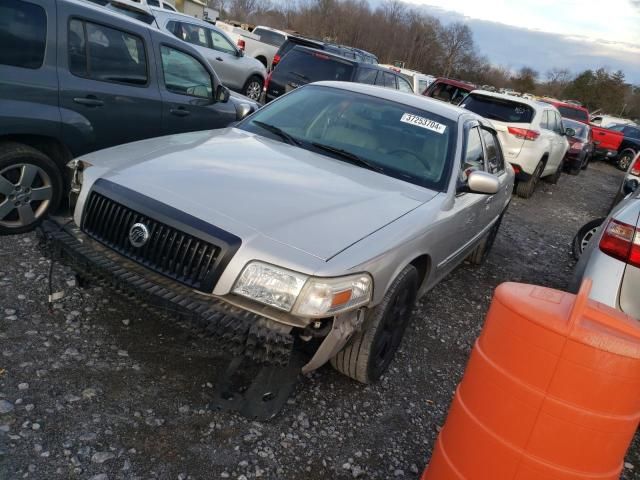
pixel 569 132
pixel 243 110
pixel 483 182
pixel 222 94
pixel 629 186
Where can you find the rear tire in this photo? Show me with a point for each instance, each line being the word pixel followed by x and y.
pixel 253 88
pixel 369 352
pixel 584 235
pixel 481 252
pixel 30 188
pixel 553 179
pixel 526 189
pixel 585 165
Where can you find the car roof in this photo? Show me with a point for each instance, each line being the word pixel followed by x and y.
pixel 170 14
pixel 560 103
pixel 443 109
pixel 264 27
pixel 532 103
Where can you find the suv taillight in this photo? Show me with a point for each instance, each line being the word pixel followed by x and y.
pixel 622 241
pixel 267 81
pixel 275 61
pixel 241 44
pixel 635 167
pixel 524 133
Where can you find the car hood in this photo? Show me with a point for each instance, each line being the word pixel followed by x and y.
pixel 249 184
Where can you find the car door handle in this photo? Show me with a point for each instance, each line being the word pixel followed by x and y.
pixel 180 112
pixel 219 59
pixel 89 101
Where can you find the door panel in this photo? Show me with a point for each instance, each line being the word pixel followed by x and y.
pixel 225 58
pixel 108 90
pixel 187 90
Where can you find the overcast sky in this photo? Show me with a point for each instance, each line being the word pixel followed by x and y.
pixel 546 33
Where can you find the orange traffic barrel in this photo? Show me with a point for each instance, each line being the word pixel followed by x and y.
pixel 551 392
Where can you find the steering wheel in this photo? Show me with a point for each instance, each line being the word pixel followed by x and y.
pixel 412 157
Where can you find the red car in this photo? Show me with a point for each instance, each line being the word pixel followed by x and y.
pixel 580 146
pixel 607 142
pixel 447 90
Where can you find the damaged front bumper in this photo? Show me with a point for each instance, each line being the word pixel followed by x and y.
pixel 239 331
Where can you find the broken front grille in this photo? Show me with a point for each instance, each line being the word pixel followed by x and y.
pixel 185 257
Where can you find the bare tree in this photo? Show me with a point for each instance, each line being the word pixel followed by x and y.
pixel 457 41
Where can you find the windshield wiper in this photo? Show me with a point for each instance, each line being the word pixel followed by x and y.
pixel 348 156
pixel 291 140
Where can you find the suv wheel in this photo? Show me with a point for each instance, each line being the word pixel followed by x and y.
pixel 584 236
pixel 253 88
pixel 370 351
pixel 526 189
pixel 553 179
pixel 30 187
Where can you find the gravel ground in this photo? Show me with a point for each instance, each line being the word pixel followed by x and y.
pixel 100 389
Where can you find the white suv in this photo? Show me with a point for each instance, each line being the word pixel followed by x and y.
pixel 532 135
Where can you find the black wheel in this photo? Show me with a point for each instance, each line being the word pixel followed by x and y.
pixel 584 236
pixel 253 87
pixel 625 159
pixel 370 351
pixel 526 189
pixel 553 179
pixel 30 187
pixel 585 164
pixel 481 252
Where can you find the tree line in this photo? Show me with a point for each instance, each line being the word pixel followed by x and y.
pixel 396 31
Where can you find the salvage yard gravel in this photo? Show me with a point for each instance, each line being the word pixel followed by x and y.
pixel 99 388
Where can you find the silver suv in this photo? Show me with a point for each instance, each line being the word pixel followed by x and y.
pixel 245 75
pixel 317 220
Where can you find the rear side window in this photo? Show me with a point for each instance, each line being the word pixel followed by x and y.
pixel 106 54
pixel 389 80
pixel 573 113
pixel 493 153
pixel 498 109
pixel 23 32
pixel 314 67
pixel 366 75
pixel 193 34
pixel 404 86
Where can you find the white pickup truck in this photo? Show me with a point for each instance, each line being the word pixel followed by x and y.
pixel 262 43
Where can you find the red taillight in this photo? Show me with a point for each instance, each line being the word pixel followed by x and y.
pixel 320 55
pixel 241 44
pixel 635 168
pixel 524 133
pixel 577 146
pixel 275 61
pixel 622 241
pixel 267 81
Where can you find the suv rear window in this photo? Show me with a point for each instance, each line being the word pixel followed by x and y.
pixel 573 113
pixel 314 67
pixel 498 109
pixel 23 31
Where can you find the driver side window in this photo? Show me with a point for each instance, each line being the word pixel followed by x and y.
pixel 473 158
pixel 185 75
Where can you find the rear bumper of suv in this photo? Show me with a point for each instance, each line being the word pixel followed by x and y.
pixel 238 331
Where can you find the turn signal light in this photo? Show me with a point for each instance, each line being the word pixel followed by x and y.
pixel 524 133
pixel 622 241
pixel 635 168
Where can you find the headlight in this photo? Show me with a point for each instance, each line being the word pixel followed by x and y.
pixel 302 295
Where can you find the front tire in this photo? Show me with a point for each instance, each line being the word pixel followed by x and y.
pixel 584 236
pixel 481 252
pixel 253 88
pixel 30 188
pixel 369 352
pixel 526 189
pixel 625 159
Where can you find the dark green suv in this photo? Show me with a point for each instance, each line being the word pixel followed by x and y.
pixel 76 77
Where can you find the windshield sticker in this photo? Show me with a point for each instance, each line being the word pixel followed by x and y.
pixel 423 123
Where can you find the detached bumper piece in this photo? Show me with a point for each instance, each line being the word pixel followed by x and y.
pixel 243 334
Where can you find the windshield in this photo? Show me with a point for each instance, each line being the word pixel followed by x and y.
pixel 395 139
pixel 573 113
pixel 498 109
